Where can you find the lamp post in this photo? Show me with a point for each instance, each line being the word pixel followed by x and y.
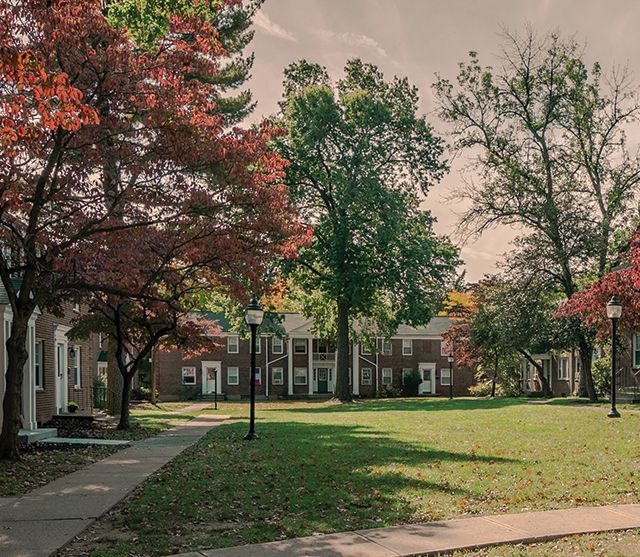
pixel 253 315
pixel 215 388
pixel 614 312
pixel 450 358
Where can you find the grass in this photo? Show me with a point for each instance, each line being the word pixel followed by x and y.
pixel 618 544
pixel 321 467
pixel 42 464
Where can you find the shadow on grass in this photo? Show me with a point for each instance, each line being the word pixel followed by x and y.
pixel 297 479
pixel 410 405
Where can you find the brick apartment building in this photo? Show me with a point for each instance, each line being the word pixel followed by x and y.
pixel 58 370
pixel 297 364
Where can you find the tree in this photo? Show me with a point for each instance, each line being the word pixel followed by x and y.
pixel 552 158
pixel 118 140
pixel 359 155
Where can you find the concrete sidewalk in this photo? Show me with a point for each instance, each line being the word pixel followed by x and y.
pixel 42 521
pixel 445 536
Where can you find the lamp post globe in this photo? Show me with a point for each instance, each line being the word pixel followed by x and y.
pixel 614 312
pixel 253 316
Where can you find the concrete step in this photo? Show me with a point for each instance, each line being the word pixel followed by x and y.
pixel 29 436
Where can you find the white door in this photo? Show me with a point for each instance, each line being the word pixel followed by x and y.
pixel 61 377
pixel 211 377
pixel 428 376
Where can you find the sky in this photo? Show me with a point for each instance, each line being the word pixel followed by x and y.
pixel 421 38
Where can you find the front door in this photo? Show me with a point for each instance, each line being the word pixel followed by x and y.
pixel 428 376
pixel 211 376
pixel 61 377
pixel 323 380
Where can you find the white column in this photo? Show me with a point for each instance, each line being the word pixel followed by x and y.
pixel 355 380
pixel 28 381
pixel 310 370
pixel 290 366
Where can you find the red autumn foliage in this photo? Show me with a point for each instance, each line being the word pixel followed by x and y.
pixel 589 305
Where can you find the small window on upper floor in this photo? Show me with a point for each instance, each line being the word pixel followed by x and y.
pixel 407 347
pixel 233 344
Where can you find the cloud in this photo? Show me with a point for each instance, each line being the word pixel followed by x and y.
pixel 353 40
pixel 262 21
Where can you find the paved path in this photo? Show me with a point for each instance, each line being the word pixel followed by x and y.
pixel 42 521
pixel 445 536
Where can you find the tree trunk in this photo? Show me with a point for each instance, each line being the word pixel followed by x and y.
pixel 17 356
pixel 127 382
pixel 343 392
pixel 495 378
pixel 586 388
pixel 114 381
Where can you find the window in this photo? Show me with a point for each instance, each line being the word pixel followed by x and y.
pixel 365 349
pixel 366 375
pixel 300 376
pixel 636 350
pixel 233 376
pixel 444 349
pixel 76 308
pixel 76 367
pixel 233 345
pixel 407 347
pixel 406 371
pixel 189 375
pixel 258 376
pixel 386 347
pixel 387 376
pixel 277 376
pixel 39 364
pixel 277 345
pixel 563 368
pixel 258 345
pixel 102 371
pixel 445 376
pixel 300 345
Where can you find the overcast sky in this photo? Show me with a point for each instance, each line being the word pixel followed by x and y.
pixel 419 38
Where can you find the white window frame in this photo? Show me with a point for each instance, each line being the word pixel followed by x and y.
pixel 102 370
pixel 298 373
pixel 296 343
pixel 563 370
pixel 277 345
pixel 191 373
pixel 446 383
pixel 236 374
pixel 236 338
pixel 277 371
pixel 407 343
pixel 369 371
pixel 636 350
pixel 77 367
pixel 443 348
pixel 365 350
pixel 387 343
pixel 76 307
pixel 387 376
pixel 38 364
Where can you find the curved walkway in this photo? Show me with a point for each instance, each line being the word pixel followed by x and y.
pixel 39 523
pixel 445 536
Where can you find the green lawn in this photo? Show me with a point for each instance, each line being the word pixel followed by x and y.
pixel 321 467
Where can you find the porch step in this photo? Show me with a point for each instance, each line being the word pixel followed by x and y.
pixel 29 436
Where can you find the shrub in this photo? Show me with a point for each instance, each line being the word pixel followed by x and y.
pixel 72 407
pixel 484 389
pixel 601 371
pixel 142 393
pixel 388 391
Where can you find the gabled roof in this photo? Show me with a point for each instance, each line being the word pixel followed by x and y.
pixel 4 297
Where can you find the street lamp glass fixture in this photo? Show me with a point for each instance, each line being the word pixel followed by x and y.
pixel 450 359
pixel 614 308
pixel 253 314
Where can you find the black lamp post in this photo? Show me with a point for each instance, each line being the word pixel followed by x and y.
pixel 253 315
pixel 215 388
pixel 614 312
pixel 450 358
